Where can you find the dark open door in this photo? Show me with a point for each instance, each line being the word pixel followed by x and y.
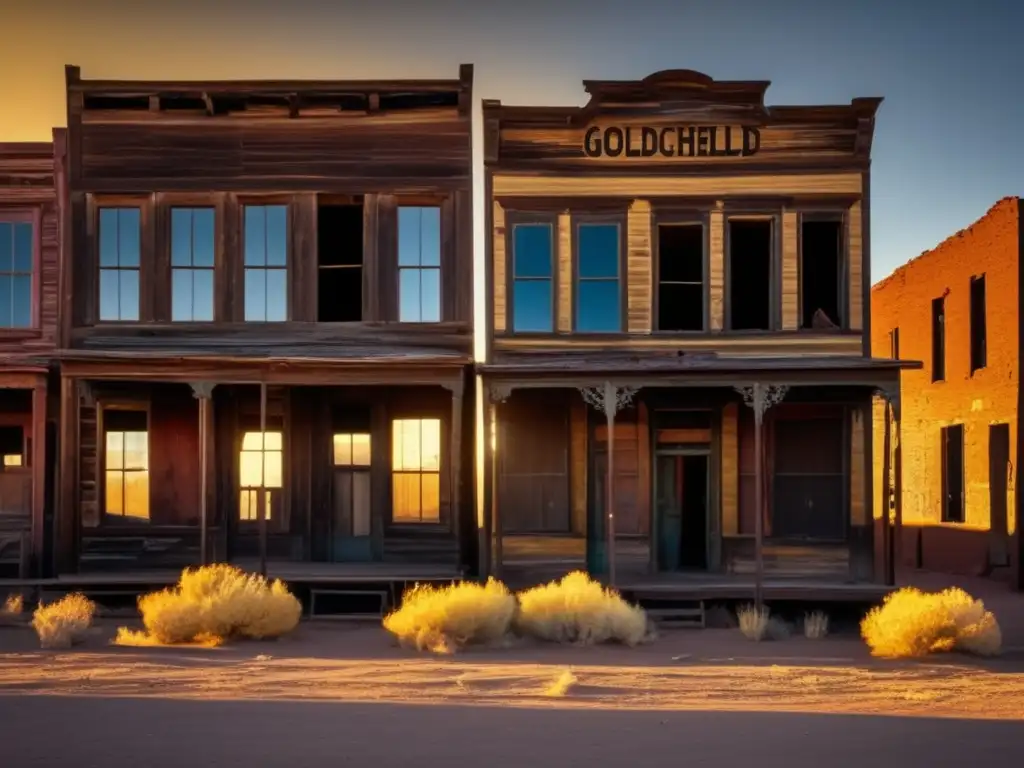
pixel 998 475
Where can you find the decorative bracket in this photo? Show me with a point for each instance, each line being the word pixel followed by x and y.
pixel 202 390
pixel 457 388
pixel 608 398
pixel 86 393
pixel 762 397
pixel 499 393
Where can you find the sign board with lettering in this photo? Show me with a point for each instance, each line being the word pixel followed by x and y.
pixel 671 141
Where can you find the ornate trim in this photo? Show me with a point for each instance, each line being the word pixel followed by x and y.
pixel 202 390
pixel 499 393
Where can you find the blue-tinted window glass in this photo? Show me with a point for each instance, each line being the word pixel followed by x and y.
pixel 598 306
pixel 531 250
pixel 192 246
pixel 419 264
pixel 598 296
pixel 598 250
pixel 266 260
pixel 532 306
pixel 120 237
pixel 533 278
pixel 16 251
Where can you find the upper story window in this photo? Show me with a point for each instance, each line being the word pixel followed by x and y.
pixel 979 332
pixel 533 270
pixel 266 263
pixel 192 245
pixel 16 247
pixel 939 339
pixel 120 244
pixel 598 278
pixel 419 264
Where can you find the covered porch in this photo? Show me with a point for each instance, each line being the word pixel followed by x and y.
pixel 682 469
pixel 295 468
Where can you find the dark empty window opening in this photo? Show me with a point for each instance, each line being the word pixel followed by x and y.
pixel 750 275
pixel 939 339
pixel 821 274
pixel 421 100
pixel 340 263
pixel 12 448
pixel 953 473
pixel 979 334
pixel 894 343
pixel 681 277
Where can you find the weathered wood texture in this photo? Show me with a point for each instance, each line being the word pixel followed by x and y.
pixel 859 511
pixel 565 273
pixel 856 268
pixel 639 271
pixel 716 270
pixel 790 270
pixel 730 470
pixel 499 271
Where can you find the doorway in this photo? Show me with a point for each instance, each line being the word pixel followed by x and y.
pixel 351 538
pixel 681 508
pixel 998 476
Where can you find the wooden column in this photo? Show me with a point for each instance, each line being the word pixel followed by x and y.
pixel 455 466
pixel 887 491
pixel 66 522
pixel 38 460
pixel 262 502
pixel 203 392
pixel 897 418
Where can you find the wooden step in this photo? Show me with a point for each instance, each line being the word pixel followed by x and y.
pixel 690 616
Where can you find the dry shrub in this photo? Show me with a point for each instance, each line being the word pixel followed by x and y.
pixel 14 605
pixel 912 623
pixel 754 622
pixel 213 604
pixel 580 610
pixel 815 625
pixel 65 622
pixel 136 638
pixel 561 685
pixel 444 619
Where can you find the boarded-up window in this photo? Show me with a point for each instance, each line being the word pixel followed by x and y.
pixel 631 508
pixel 416 471
pixel 126 465
pixel 809 485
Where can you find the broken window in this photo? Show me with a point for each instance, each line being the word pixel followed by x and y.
pixel 821 273
pixel 938 339
pixel 681 277
pixel 340 263
pixel 750 275
pixel 979 335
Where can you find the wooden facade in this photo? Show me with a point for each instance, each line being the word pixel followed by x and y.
pixel 674 240
pixel 30 258
pixel 267 324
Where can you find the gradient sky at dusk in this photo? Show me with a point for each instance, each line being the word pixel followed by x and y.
pixel 947 144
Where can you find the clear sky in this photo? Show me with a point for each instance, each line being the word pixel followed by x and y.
pixel 947 143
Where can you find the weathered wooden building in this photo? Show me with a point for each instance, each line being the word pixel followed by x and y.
pixel 29 280
pixel 268 324
pixel 672 244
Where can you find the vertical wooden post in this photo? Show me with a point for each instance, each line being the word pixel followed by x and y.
pixel 495 443
pixel 66 527
pixel 758 503
pixel 262 496
pixel 38 462
pixel 887 494
pixel 455 469
pixel 898 491
pixel 610 396
pixel 203 392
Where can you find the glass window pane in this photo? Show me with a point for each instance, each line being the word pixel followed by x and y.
pixel 255 295
pixel 181 237
pixel 6 301
pixel 430 499
pixel 249 468
pixel 108 237
pixel 114 458
pixel 273 441
pixel 405 444
pixel 129 280
pixel 247 505
pixel 136 450
pixel 361 450
pixel 405 497
pixel 430 237
pixel 277 235
pixel 342 450
pixel 532 249
pixel 598 250
pixel 202 237
pixel 273 466
pixel 532 306
pixel 22 301
pixel 6 247
pixel 430 442
pixel 128 237
pixel 255 236
pixel 430 295
pixel 409 306
pixel 409 237
pixel 181 294
pixel 251 442
pixel 22 247
pixel 110 295
pixel 114 493
pixel 277 295
pixel 202 295
pixel 597 309
pixel 136 495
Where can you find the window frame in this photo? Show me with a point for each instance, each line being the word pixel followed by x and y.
pixel 838 216
pixel 978 351
pixel 278 495
pixel 169 209
pixel 144 204
pixel 577 219
pixel 135 406
pixel 774 217
pixel 34 217
pixel 256 201
pixel 444 523
pixel 512 219
pixel 679 217
pixel 442 258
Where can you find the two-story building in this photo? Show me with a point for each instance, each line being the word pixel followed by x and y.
pixel 268 324
pixel 30 256
pixel 674 243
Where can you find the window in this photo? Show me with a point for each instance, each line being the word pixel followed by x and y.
pixel 821 273
pixel 192 240
pixel 260 474
pixel 598 296
pixel 266 263
pixel 953 474
pixel 16 246
pixel 681 277
pixel 352 484
pixel 419 264
pixel 339 263
pixel 416 471
pixel 750 274
pixel 126 465
pixel 894 343
pixel 938 339
pixel 12 446
pixel 533 294
pixel 120 243
pixel 979 334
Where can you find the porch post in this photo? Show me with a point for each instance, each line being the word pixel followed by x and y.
pixel 887 493
pixel 203 392
pixel 455 466
pixel 498 394
pixel 38 462
pixel 897 418
pixel 262 505
pixel 66 527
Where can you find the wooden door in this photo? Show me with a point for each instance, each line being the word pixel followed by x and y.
pixel 351 535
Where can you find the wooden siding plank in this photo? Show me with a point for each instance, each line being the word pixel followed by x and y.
pixel 716 270
pixel 858 503
pixel 790 271
pixel 565 271
pixel 730 470
pixel 639 265
pixel 855 273
pixel 654 186
pixel 500 263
